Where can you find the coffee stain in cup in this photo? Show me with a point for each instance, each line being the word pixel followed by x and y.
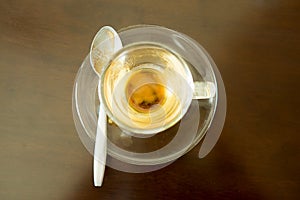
pixel 145 91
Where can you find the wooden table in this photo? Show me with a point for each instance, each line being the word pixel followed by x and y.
pixel 256 46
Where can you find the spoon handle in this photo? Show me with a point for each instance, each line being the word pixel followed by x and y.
pixel 100 148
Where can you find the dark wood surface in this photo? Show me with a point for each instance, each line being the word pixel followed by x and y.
pixel 256 46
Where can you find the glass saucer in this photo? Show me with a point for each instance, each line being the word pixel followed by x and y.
pixel 133 154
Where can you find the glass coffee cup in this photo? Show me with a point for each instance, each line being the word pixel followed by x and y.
pixel 146 88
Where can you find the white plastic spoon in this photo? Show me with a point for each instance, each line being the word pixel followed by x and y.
pixel 105 43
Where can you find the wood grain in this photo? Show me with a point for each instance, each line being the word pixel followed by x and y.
pixel 256 46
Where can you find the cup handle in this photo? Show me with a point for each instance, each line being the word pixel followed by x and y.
pixel 204 90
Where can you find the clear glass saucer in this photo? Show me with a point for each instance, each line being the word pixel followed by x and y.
pixel 163 148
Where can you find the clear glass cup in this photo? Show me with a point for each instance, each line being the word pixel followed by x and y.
pixel 146 88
